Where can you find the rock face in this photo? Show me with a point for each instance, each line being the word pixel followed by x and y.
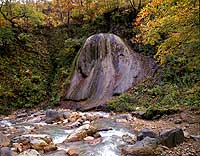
pixel 172 137
pixel 106 67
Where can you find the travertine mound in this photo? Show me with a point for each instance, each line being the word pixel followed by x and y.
pixel 106 66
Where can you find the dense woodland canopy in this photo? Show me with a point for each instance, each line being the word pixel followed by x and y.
pixel 39 40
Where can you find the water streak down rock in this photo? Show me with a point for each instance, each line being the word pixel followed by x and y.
pixel 106 66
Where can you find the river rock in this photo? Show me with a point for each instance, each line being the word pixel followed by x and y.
pixel 29 152
pixel 88 138
pixel 105 66
pixel 29 139
pixel 57 153
pixel 17 147
pixel 5 151
pixel 53 116
pixel 186 135
pixel 146 147
pixel 178 121
pixel 195 137
pixel 139 114
pixel 129 138
pixel 124 116
pixel 22 115
pixel 172 137
pixel 50 147
pixel 81 132
pixel 38 144
pixel 4 141
pixel 72 151
pixel 145 132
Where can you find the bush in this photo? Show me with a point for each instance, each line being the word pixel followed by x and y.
pixel 122 103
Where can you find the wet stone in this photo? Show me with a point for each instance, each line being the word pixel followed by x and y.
pixel 88 138
pixel 81 133
pixel 72 152
pixel 53 116
pixel 129 138
pixel 38 144
pixel 30 152
pixel 50 147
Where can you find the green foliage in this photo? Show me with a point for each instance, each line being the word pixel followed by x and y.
pixel 23 73
pixel 169 31
pixel 172 26
pixel 31 92
pixel 156 112
pixel 123 103
pixel 7 37
pixel 62 59
pixel 156 99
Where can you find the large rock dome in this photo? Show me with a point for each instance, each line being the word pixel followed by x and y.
pixel 106 66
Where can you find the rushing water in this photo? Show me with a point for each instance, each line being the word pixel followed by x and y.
pixel 110 130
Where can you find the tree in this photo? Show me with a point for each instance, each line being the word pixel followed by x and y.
pixel 172 26
pixel 19 15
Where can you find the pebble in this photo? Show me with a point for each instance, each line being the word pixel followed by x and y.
pixel 72 151
pixel 178 121
pixel 88 138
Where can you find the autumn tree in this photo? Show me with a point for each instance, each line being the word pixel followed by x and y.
pixel 172 26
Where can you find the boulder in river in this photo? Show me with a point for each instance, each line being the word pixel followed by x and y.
pixel 38 144
pixel 53 116
pixel 129 138
pixel 29 152
pixel 105 66
pixel 50 147
pixel 81 133
pixel 4 141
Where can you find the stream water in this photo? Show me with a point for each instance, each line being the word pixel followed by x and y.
pixel 112 128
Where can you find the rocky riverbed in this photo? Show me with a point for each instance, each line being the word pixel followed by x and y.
pixel 63 132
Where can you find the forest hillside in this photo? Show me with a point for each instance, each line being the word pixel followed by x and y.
pixel 40 39
pixel 99 78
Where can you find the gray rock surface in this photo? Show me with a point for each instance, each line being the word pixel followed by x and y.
pixel 5 151
pixel 145 132
pixel 195 137
pixel 146 147
pixel 81 132
pixel 106 66
pixel 53 116
pixel 29 152
pixel 4 141
pixel 172 137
